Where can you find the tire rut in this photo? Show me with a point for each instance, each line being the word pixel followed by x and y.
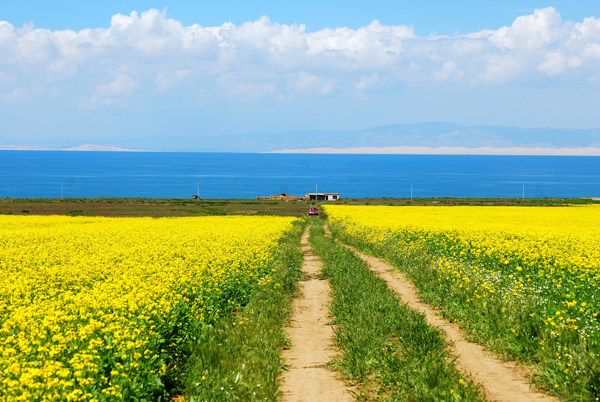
pixel 502 381
pixel 307 378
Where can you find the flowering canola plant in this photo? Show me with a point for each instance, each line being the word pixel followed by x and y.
pixel 95 308
pixel 531 273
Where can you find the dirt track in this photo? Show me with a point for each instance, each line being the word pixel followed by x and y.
pixel 502 381
pixel 307 379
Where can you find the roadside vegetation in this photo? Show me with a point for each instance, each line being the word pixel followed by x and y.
pixel 386 349
pixel 521 281
pixel 239 357
pixel 106 309
pixel 195 308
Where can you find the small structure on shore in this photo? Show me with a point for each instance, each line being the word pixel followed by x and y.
pixel 323 196
pixel 284 197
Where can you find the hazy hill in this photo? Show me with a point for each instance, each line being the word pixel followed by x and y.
pixel 429 135
pixel 398 135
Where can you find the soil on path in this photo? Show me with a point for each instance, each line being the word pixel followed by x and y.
pixel 307 378
pixel 502 381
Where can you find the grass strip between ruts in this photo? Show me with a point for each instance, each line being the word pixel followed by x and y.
pixel 387 349
pixel 239 357
pixel 487 323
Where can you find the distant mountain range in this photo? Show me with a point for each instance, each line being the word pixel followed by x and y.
pixel 429 135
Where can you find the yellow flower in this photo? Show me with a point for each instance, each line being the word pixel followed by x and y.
pixel 80 294
pixel 480 254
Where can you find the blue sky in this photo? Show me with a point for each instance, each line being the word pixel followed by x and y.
pixel 94 72
pixel 427 16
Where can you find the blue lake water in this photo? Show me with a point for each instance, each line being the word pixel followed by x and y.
pixel 228 175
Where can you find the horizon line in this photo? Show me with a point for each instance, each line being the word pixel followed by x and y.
pixel 417 150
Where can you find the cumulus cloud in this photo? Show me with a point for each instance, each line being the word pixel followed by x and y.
pixel 530 32
pixel 449 71
pixel 305 82
pixel 263 58
pixel 555 63
pixel 123 85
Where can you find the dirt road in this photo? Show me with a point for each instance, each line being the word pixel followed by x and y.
pixel 502 381
pixel 307 379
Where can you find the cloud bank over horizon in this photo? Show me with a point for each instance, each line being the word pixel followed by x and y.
pixel 148 54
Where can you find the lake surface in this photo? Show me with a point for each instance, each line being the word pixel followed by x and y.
pixel 229 175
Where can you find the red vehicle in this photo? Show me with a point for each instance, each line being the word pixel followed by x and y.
pixel 313 211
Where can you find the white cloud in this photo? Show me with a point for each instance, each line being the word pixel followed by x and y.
pixel 245 91
pixel 530 32
pixel 366 82
pixel 263 58
pixel 501 69
pixel 162 82
pixel 589 29
pixel 449 72
pixel 95 102
pixel 123 85
pixel 592 51
pixel 180 74
pixel 305 82
pixel 16 95
pixel 555 63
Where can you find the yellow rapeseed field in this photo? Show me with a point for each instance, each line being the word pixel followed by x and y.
pixel 96 308
pixel 533 272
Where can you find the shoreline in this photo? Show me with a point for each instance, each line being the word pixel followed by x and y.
pixel 489 151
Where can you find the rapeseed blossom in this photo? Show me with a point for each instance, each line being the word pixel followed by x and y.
pixel 95 309
pixel 537 269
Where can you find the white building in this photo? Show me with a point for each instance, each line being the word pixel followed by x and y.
pixel 323 196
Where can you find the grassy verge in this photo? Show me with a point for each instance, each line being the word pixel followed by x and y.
pixel 239 357
pixel 387 349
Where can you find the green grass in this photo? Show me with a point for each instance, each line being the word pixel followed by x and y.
pixel 386 348
pixel 239 357
pixel 512 327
